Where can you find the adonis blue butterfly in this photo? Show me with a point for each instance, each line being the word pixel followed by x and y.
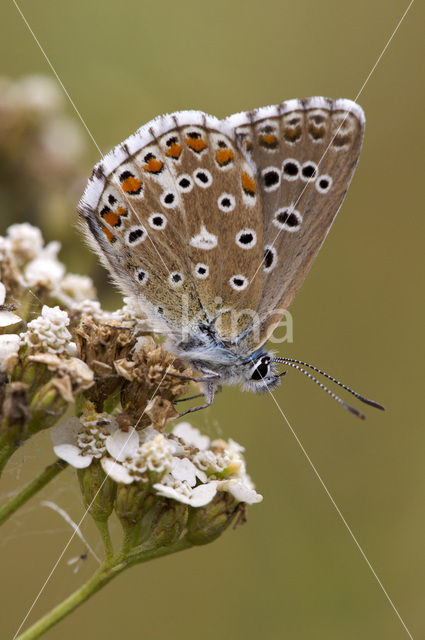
pixel 212 225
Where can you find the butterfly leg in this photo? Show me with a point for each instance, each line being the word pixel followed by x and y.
pixel 206 378
pixel 198 395
pixel 209 397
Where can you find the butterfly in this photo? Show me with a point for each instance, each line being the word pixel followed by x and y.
pixel 212 225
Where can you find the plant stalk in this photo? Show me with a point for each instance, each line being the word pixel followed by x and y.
pixel 105 573
pixel 31 489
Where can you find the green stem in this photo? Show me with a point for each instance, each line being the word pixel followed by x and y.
pixel 7 448
pixel 103 528
pixel 103 575
pixel 31 489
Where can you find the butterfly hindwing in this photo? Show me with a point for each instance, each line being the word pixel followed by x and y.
pixel 305 153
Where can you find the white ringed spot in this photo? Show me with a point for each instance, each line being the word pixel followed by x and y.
pixel 135 235
pixel 157 221
pixel 202 270
pixel 168 199
pixel 246 239
pixel 271 178
pixel 226 202
pixel 203 178
pixel 309 171
pixel 270 258
pixel 184 183
pixel 176 279
pixel 238 282
pixel 291 169
pixel 288 218
pixel 323 183
pixel 141 276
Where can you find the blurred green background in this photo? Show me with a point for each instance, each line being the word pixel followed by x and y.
pixel 293 571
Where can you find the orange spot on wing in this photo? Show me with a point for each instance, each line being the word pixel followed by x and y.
pixel 224 156
pixel 153 166
pixel 121 211
pixel 197 144
pixel 131 185
pixel 108 233
pixel 268 140
pixel 111 218
pixel 248 145
pixel 248 184
pixel 174 151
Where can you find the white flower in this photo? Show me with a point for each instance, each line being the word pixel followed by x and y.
pixel 136 454
pixel 6 317
pixel 76 289
pixel 241 490
pixel 49 332
pixel 78 441
pixel 130 315
pixel 9 347
pixel 45 269
pixel 181 492
pixel 35 92
pixel 89 308
pixel 24 241
pixel 191 436
pixel 219 467
pixel 4 247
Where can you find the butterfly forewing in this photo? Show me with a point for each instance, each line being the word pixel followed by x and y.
pixel 305 153
pixel 176 215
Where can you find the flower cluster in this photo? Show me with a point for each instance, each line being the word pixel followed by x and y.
pixel 168 485
pixel 42 148
pixel 182 465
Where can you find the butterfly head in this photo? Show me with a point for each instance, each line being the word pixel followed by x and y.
pixel 260 374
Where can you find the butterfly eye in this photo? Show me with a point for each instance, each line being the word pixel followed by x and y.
pixel 262 370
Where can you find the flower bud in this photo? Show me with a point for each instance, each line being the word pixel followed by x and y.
pixel 130 502
pixel 98 491
pixel 205 524
pixel 165 522
pixel 15 413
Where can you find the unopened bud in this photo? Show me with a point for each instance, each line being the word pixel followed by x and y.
pixel 98 491
pixel 205 524
pixel 130 502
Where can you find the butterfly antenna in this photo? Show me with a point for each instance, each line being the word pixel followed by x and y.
pixel 290 361
pixel 328 391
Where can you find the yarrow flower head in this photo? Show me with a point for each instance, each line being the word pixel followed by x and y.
pixel 7 318
pixel 24 241
pixel 49 332
pixel 45 269
pixel 217 466
pixel 79 441
pixel 138 455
